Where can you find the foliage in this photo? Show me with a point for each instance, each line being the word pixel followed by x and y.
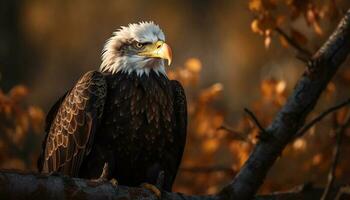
pixel 20 130
pixel 275 14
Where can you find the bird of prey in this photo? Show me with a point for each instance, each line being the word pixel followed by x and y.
pixel 127 115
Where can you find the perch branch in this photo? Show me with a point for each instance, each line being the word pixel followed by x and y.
pixel 16 186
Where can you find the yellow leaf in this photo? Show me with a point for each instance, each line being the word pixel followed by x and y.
pixel 284 42
pixel 281 86
pixel 255 26
pixel 255 5
pixel 267 42
pixel 300 144
pixel 18 92
pixel 210 145
pixel 341 115
pixel 317 28
pixel 317 159
pixel 193 65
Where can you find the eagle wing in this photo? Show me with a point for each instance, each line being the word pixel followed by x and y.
pixel 71 125
pixel 176 150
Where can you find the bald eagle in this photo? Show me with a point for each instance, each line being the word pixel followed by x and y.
pixel 128 115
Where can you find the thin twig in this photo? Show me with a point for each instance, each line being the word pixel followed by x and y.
pixel 228 129
pixel 321 116
pixel 303 54
pixel 336 151
pixel 255 120
pixel 234 135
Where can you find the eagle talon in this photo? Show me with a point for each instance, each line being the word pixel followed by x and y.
pixel 104 177
pixel 99 180
pixel 102 180
pixel 114 182
pixel 153 189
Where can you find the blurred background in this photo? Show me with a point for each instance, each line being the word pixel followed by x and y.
pixel 228 54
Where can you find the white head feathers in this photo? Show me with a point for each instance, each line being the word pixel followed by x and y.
pixel 114 61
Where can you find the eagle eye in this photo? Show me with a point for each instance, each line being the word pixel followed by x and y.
pixel 139 45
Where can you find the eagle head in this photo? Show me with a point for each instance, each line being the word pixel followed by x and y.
pixel 139 48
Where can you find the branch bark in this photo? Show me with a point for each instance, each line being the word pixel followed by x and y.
pixel 16 185
pixel 292 116
pixel 20 185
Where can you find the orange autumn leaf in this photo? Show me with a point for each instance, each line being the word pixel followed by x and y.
pixel 210 145
pixel 267 42
pixel 194 65
pixel 255 26
pixel 18 93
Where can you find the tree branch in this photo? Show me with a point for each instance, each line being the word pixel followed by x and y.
pixel 303 130
pixel 331 176
pixel 255 120
pixel 16 185
pixel 292 116
pixel 235 135
pixel 303 54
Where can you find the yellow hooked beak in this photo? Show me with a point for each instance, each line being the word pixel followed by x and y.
pixel 159 49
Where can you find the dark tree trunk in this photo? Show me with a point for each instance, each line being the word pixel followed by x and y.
pixel 14 60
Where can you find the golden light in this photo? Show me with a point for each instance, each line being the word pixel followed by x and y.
pixel 216 88
pixel 267 42
pixel 317 159
pixel 210 145
pixel 281 86
pixel 300 144
pixel 194 65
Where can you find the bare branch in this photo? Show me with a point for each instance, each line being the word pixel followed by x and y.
pixel 255 120
pixel 331 176
pixel 234 135
pixel 228 129
pixel 303 130
pixel 303 54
